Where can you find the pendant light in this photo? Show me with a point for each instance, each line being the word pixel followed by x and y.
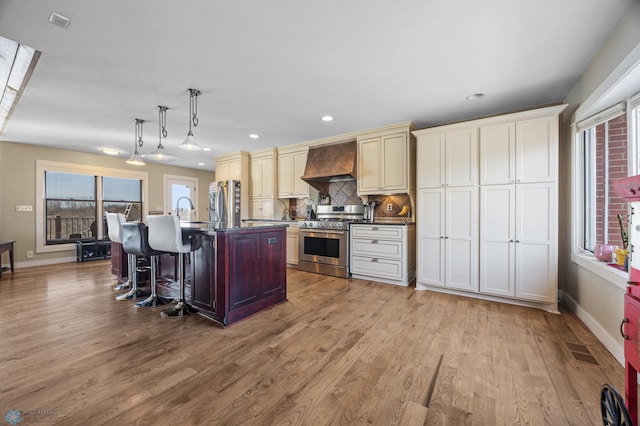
pixel 190 143
pixel 136 159
pixel 161 154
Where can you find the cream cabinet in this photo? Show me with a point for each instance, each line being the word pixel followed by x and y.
pixel 487 209
pixel 448 238
pixel 261 208
pixel 262 172
pixel 233 166
pixel 292 244
pixel 386 163
pixel 291 164
pixel 523 151
pixel 383 253
pixel 448 158
pixel 518 241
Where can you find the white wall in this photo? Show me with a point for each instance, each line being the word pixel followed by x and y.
pixel 597 300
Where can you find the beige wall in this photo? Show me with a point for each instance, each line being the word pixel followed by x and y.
pixel 18 182
pixel 599 303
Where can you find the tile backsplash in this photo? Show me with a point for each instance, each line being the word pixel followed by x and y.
pixel 346 193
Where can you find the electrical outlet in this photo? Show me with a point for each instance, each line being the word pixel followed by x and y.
pixel 24 208
pixel 29 254
pixel 389 207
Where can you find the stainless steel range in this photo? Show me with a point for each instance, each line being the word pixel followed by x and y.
pixel 323 244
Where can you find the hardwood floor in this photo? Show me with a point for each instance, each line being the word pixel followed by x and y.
pixel 337 352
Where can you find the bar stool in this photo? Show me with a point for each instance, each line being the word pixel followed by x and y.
pixel 114 224
pixel 135 238
pixel 165 235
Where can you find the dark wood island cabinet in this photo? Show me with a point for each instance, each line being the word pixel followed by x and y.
pixel 235 272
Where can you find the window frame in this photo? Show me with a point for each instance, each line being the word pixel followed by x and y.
pixel 579 255
pixel 43 165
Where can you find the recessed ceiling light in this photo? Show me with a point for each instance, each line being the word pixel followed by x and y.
pixel 327 118
pixel 110 151
pixel 254 136
pixel 59 20
pixel 475 96
pixel 206 149
pixel 200 164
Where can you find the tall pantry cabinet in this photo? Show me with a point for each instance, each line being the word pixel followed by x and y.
pixel 488 208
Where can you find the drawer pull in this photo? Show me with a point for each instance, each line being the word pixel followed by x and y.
pixel 375 259
pixel 375 228
pixel 624 336
pixel 374 241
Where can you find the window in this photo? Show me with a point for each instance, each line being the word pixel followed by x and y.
pixel 604 160
pixel 70 204
pixel 71 200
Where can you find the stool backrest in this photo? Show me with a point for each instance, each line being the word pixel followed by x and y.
pixel 134 239
pixel 165 234
pixel 114 222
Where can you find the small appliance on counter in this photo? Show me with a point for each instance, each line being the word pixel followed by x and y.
pixel 369 211
pixel 224 204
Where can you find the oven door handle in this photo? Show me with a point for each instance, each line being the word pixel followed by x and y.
pixel 321 232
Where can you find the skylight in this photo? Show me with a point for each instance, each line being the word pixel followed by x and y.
pixel 17 62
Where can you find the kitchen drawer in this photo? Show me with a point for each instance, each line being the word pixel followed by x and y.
pixel 380 232
pixel 376 267
pixel 376 248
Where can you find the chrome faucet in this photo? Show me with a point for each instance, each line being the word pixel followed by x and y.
pixel 191 206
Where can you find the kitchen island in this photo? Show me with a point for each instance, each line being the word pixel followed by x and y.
pixel 234 272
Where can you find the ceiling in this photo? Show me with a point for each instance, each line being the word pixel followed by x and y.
pixel 274 68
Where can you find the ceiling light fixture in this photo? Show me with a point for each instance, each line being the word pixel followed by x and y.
pixel 327 118
pixel 136 159
pixel 190 144
pixel 161 154
pixel 254 136
pixel 59 20
pixel 475 96
pixel 110 151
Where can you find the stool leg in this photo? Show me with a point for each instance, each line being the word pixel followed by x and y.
pixel 181 308
pixel 133 274
pixel 152 300
pixel 127 284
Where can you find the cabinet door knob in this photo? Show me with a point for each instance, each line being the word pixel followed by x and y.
pixel 624 336
pixel 374 241
pixel 375 259
pixel 510 241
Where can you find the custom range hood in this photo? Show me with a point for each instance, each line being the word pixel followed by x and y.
pixel 331 163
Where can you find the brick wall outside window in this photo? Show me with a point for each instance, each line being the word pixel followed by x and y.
pixel 617 168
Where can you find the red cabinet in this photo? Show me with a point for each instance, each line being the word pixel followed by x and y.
pixel 238 272
pixel 631 334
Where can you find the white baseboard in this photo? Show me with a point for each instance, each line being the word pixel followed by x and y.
pixel 616 349
pixel 31 263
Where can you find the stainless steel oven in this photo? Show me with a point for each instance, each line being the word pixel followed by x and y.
pixel 323 244
pixel 324 251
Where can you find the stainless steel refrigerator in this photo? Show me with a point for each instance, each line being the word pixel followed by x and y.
pixel 224 204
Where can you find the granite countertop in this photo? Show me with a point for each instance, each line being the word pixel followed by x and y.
pixel 208 227
pixel 395 222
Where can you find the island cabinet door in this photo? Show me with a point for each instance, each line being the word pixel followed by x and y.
pixel 244 287
pixel 272 258
pixel 203 295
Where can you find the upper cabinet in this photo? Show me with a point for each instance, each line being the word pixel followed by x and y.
pixel 233 166
pixel 262 171
pixel 291 163
pixel 523 151
pixel 386 162
pixel 448 158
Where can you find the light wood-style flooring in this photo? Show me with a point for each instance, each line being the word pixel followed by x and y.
pixel 339 351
